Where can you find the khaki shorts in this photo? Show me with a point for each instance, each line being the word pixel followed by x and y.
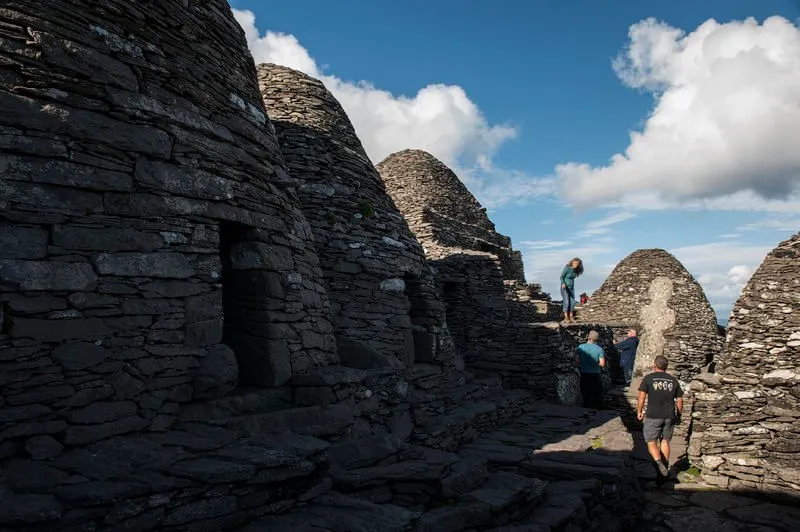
pixel 655 429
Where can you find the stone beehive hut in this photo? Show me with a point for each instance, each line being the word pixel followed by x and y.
pixel 442 213
pixel 142 199
pixel 651 290
pixel 746 419
pixel 382 290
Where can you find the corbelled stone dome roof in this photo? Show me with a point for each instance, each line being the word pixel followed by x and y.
pixel 651 289
pixel 442 212
pixel 373 265
pixel 757 381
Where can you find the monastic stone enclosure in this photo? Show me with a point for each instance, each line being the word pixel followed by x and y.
pixel 442 213
pixel 210 326
pixel 384 300
pixel 490 308
pixel 652 291
pixel 746 420
pixel 143 198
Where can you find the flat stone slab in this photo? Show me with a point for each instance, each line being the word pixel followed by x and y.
pixel 558 512
pixel 495 452
pixel 363 452
pixel 454 518
pixel 719 501
pixel 552 469
pixel 412 471
pixel 334 512
pixel 463 476
pixel 503 490
pixel 694 519
pixel 782 517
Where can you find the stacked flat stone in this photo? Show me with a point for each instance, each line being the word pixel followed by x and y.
pixel 442 213
pixel 381 287
pixel 652 291
pixel 143 197
pixel 746 420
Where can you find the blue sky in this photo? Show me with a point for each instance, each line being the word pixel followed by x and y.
pixel 523 101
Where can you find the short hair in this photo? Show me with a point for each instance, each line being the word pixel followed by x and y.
pixel 661 362
pixel 634 331
pixel 594 336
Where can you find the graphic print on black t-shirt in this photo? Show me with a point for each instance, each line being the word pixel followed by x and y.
pixel 661 389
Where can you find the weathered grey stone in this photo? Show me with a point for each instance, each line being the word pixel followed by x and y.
pixel 372 263
pixel 29 508
pixel 464 475
pixel 744 421
pixel 99 492
pixel 105 239
pixel 18 242
pixel 86 61
pixel 213 471
pixel 42 447
pixel 78 435
pixel 41 276
pixel 80 355
pixel 103 412
pixel 338 513
pixel 202 509
pixel 26 475
pixel 190 183
pixel 159 265
pixel 217 373
pixel 64 173
pixel 363 452
pixel 651 289
pixel 59 330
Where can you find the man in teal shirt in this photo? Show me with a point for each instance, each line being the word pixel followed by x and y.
pixel 590 358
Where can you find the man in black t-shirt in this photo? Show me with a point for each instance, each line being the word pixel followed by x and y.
pixel 663 394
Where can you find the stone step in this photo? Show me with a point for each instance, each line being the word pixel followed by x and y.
pixel 502 498
pixel 241 402
pixel 450 428
pixel 335 512
pixel 557 513
pixel 311 420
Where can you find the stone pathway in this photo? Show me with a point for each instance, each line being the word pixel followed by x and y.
pixel 508 465
pixel 553 468
pixel 682 504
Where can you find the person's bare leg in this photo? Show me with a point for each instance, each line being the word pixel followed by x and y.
pixel 652 448
pixel 566 317
pixel 665 450
pixel 655 453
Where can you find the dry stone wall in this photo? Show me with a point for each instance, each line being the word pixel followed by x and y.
pixel 143 197
pixel 442 213
pixel 746 420
pixel 384 298
pixel 651 290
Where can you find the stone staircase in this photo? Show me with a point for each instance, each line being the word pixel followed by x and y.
pixel 550 469
pixel 467 455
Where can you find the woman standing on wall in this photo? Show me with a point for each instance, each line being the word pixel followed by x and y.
pixel 573 269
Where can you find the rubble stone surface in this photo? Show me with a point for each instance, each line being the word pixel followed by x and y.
pixel 652 291
pixel 382 290
pixel 746 420
pixel 442 213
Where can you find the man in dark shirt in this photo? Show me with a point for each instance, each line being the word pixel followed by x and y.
pixel 627 354
pixel 663 393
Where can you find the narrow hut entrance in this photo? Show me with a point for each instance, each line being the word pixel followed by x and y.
pixel 247 290
pixel 455 300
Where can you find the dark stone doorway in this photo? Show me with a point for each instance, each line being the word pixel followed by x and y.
pixel 250 293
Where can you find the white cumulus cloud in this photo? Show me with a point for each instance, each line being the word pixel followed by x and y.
pixel 723 269
pixel 725 121
pixel 440 119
